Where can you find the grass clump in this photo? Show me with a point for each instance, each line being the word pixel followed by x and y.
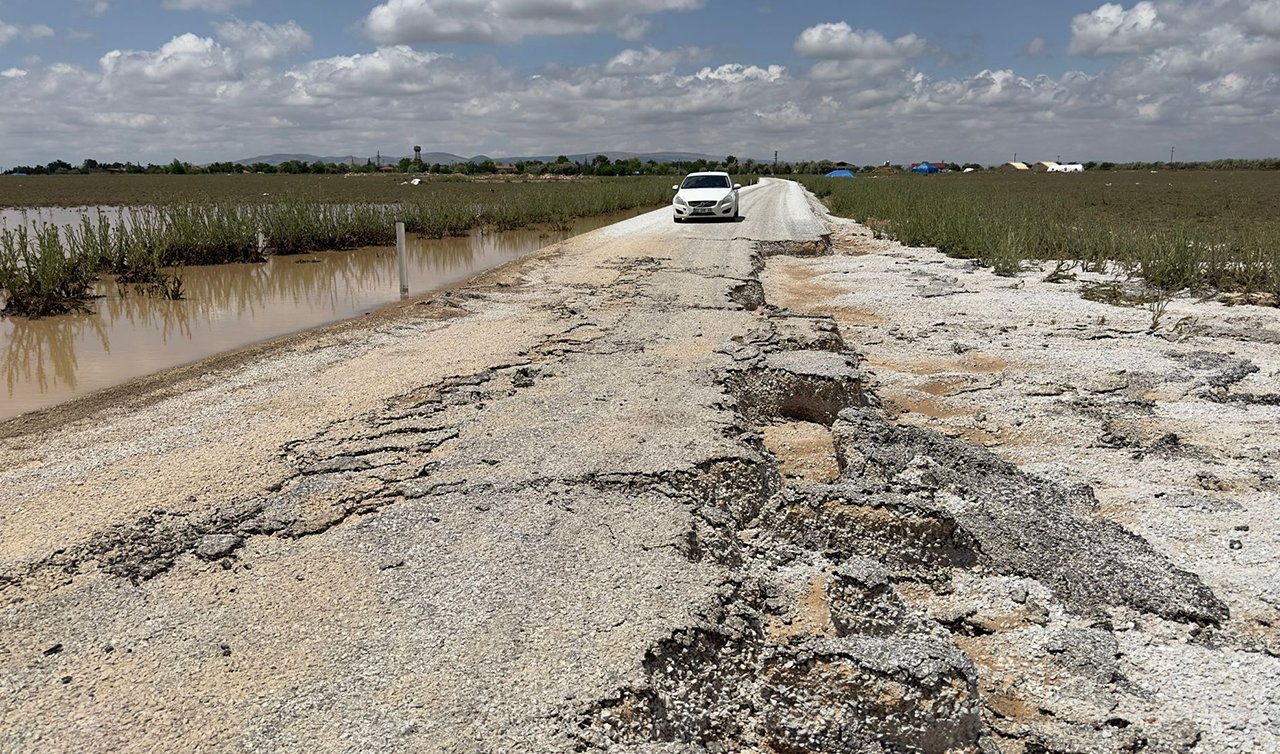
pixel 39 277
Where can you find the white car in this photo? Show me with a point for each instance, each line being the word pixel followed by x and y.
pixel 705 195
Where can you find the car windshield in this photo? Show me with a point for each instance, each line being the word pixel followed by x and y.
pixel 705 181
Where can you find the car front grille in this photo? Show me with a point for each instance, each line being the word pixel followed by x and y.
pixel 701 205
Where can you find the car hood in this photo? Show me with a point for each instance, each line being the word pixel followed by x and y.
pixel 704 194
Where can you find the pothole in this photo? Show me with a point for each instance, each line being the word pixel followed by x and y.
pixel 730 687
pixel 809 386
pixel 805 452
pixel 816 248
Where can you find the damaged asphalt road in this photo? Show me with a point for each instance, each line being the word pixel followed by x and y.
pixel 537 514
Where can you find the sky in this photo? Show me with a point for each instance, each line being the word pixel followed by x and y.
pixel 856 80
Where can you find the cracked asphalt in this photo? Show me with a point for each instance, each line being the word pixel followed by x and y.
pixel 443 528
pixel 634 493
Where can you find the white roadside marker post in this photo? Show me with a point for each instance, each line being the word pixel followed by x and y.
pixel 402 254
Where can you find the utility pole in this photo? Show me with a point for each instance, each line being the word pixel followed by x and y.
pixel 1170 155
pixel 775 158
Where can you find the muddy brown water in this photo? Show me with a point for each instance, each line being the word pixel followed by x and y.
pixel 125 335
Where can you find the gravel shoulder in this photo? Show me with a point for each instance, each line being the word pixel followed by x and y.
pixel 1173 429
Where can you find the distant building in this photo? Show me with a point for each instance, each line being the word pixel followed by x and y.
pixel 505 168
pixel 1070 167
pixel 1046 166
pixel 1015 167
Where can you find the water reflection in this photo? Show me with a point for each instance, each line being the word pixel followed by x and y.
pixel 42 353
pixel 122 306
pixel 226 307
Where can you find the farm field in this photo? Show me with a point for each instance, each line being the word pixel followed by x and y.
pixel 1204 231
pixel 148 190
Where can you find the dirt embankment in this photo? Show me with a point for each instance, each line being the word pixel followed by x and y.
pixel 659 490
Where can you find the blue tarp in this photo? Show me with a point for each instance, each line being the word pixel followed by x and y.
pixel 840 174
pixel 925 167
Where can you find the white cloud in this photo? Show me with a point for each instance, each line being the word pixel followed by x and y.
pixel 1229 88
pixel 96 7
pixel 9 32
pixel 258 42
pixel 391 72
pixel 185 58
pixel 1263 17
pixel 867 72
pixel 839 41
pixel 1035 48
pixel 211 6
pixel 12 73
pixel 848 55
pixel 735 73
pixel 652 61
pixel 1110 29
pixel 789 115
pixel 1176 47
pixel 419 21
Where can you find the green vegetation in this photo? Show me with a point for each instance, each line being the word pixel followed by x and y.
pixel 101 190
pixel 142 245
pixel 599 166
pixel 38 277
pixel 1199 231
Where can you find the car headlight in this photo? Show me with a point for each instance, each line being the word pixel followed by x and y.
pixel 727 200
pixel 681 202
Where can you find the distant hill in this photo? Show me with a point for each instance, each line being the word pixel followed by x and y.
pixel 643 157
pixel 446 158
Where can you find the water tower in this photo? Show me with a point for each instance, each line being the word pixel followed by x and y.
pixel 417 155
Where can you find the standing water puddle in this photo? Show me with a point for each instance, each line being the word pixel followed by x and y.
pixel 226 307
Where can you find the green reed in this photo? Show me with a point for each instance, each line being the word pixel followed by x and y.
pixel 38 276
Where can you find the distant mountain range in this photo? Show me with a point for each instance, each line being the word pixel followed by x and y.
pixel 445 158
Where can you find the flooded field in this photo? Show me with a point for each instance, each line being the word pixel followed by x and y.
pixel 34 217
pixel 48 361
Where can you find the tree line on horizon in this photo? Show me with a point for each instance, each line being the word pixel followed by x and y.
pixel 600 165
